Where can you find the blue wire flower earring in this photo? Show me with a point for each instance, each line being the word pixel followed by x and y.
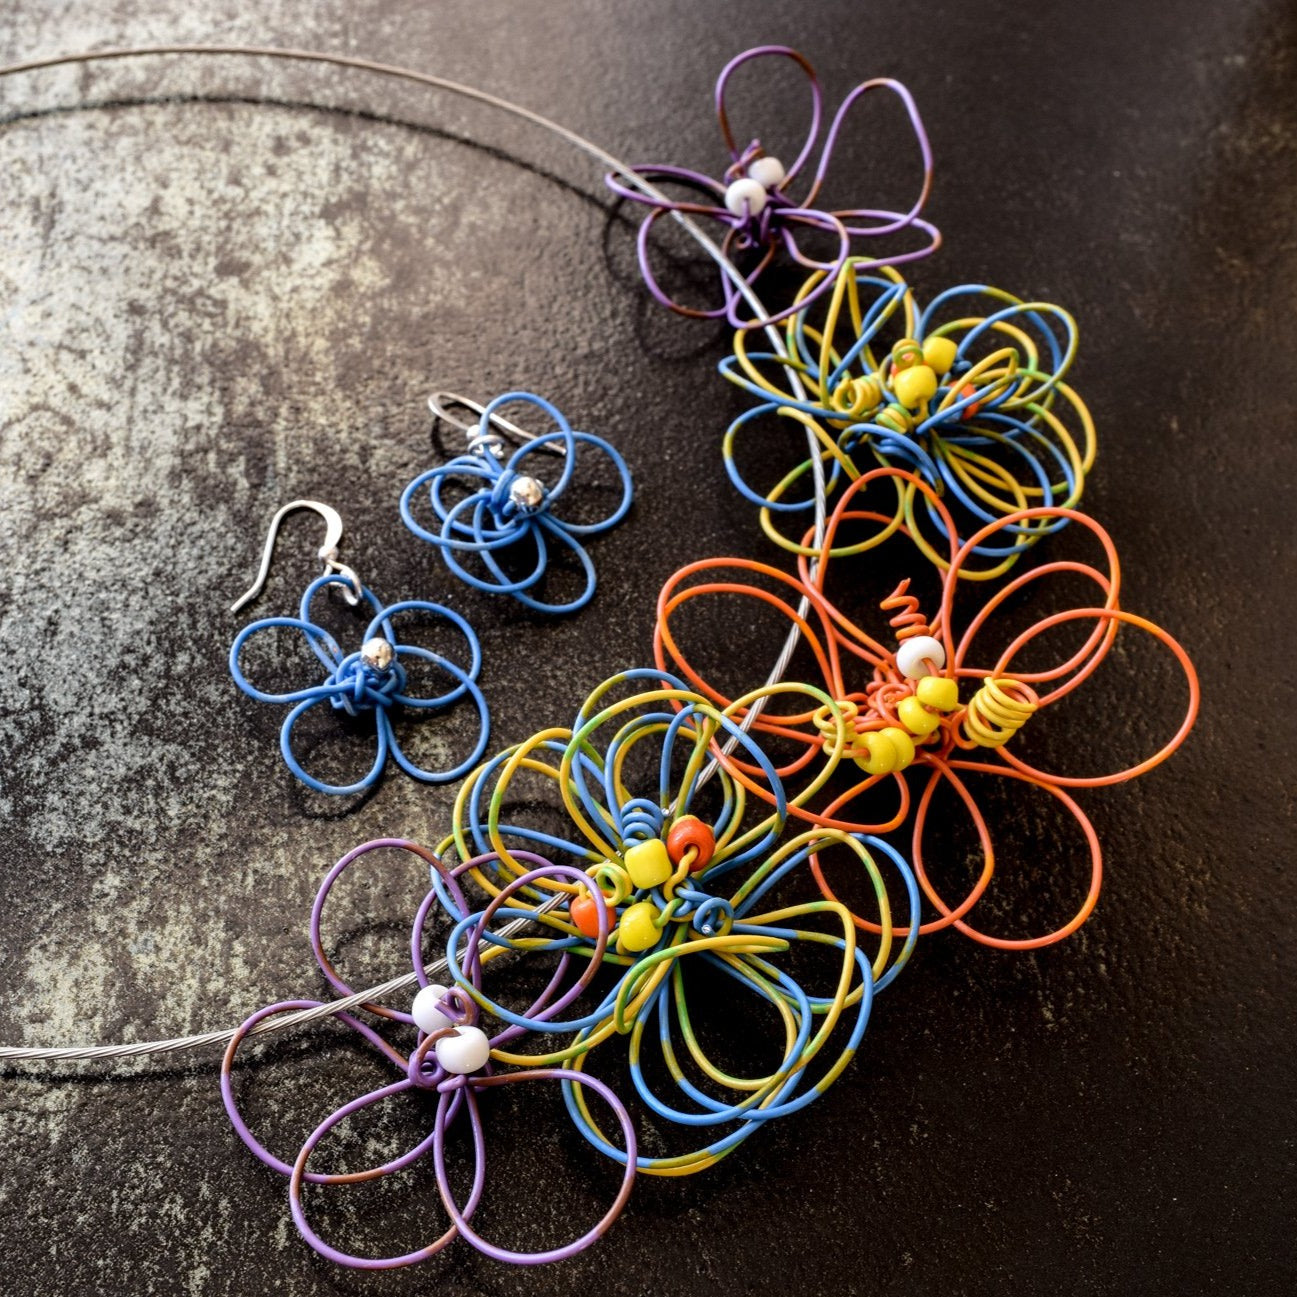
pixel 485 504
pixel 370 681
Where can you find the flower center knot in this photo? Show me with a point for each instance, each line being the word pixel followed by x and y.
pixel 752 193
pixel 641 821
pixel 707 915
pixel 372 676
pixel 517 495
pixel 826 722
pixel 446 1059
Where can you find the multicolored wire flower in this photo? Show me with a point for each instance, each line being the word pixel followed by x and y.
pixel 370 681
pixel 968 393
pixel 902 698
pixel 453 1059
pixel 678 878
pixel 758 209
pixel 486 506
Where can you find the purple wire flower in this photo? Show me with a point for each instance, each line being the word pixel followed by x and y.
pixel 757 209
pixel 452 1059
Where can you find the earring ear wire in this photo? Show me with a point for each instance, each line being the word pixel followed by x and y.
pixel 328 552
pixel 484 441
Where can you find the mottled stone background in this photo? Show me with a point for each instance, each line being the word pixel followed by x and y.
pixel 226 285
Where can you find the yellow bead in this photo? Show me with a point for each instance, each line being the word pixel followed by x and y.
pixel 882 756
pixel 903 744
pixel 939 354
pixel 888 750
pixel 637 930
pixel 648 863
pixel 915 385
pixel 915 717
pixel 940 692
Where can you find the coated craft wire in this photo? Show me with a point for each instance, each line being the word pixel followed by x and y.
pixel 451 1059
pixel 902 699
pixel 640 897
pixel 755 207
pixel 976 406
pixel 652 891
pixel 370 681
pixel 504 504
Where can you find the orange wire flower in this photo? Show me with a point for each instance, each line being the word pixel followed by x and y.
pixel 908 699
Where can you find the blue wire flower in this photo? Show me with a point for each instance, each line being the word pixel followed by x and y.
pixel 371 681
pixel 507 505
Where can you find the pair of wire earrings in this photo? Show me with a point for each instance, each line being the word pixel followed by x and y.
pixel 484 504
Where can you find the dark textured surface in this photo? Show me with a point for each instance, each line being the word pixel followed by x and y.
pixel 212 306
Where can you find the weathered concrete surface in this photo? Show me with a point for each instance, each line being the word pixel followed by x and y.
pixel 213 305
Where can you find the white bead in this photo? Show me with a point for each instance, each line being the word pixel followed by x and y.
pixel 464 1052
pixel 746 191
pixel 914 654
pixel 527 494
pixel 767 172
pixel 426 1011
pixel 377 653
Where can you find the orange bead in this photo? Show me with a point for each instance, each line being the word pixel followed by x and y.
pixel 966 391
pixel 689 831
pixel 585 916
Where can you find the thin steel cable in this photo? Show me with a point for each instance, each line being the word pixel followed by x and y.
pixel 281 1022
pixel 627 173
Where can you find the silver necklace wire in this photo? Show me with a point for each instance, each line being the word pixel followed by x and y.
pixel 626 173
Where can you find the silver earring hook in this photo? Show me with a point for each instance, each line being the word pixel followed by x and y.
pixel 481 440
pixel 328 552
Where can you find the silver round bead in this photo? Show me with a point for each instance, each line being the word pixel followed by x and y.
pixel 377 653
pixel 527 494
